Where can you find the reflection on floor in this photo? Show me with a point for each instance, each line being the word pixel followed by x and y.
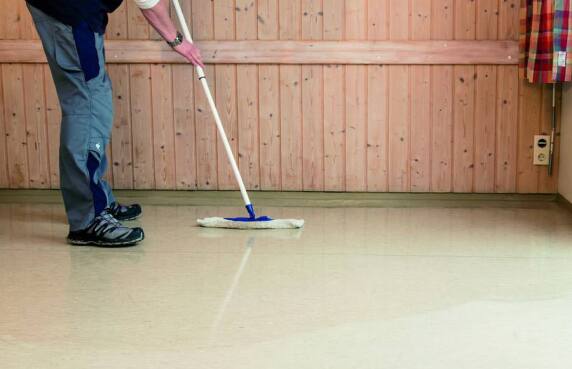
pixel 357 288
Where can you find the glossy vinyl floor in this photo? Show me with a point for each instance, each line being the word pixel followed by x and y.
pixel 357 288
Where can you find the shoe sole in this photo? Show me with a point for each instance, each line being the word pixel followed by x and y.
pixel 107 244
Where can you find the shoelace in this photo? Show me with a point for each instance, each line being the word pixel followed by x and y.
pixel 117 208
pixel 105 223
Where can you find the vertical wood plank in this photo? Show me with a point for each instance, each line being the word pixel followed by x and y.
pixel 509 21
pixel 142 126
pixel 507 120
pixel 15 118
pixel 12 18
pixel 377 104
pixel 485 101
pixel 485 128
pixel 507 103
pixel 248 140
pixel 291 101
pixel 530 104
pixel 121 144
pixel 268 20
pixel 163 128
pixel 207 145
pixel 269 113
pixel 137 25
pixel 442 97
pixel 53 121
pixel 464 129
pixel 421 103
pixel 118 23
pixel 184 117
pixel 487 19
pixel 546 183
pixel 27 27
pixel 464 103
pixel 399 104
pixel 291 127
pixel 4 181
pixel 226 90
pixel 313 128
pixel 269 101
pixel 289 17
pixel 334 102
pixel 356 101
pixel 312 102
pixel 35 105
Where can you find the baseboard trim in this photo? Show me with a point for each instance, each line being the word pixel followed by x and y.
pixel 564 202
pixel 304 199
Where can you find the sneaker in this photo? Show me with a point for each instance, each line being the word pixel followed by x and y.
pixel 106 231
pixel 125 212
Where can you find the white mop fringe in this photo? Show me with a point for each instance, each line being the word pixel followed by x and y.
pixel 231 224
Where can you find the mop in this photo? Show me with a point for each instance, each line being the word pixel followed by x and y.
pixel 251 221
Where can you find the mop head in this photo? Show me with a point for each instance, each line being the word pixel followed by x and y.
pixel 246 223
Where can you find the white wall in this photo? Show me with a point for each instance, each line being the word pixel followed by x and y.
pixel 565 181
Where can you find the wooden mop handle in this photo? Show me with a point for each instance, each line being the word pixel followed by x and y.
pixel 218 121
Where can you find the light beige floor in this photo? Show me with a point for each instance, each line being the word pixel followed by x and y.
pixel 358 288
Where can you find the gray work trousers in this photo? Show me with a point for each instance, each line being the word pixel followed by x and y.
pixel 77 62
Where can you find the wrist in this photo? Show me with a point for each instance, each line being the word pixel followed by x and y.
pixel 176 40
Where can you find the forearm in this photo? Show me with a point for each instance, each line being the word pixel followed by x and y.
pixel 158 16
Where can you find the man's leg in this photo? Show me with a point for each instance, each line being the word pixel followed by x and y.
pixel 76 60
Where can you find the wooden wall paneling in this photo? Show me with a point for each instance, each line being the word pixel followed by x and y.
pixel 507 129
pixel 163 126
pixel 291 101
pixel 15 118
pixel 184 120
pixel 377 104
pixel 269 121
pixel 399 104
pixel 184 117
pixel 142 127
pixel 4 181
pixel 248 131
pixel 11 19
pixel 118 23
pixel 37 136
pixel 313 102
pixel 507 104
pixel 121 143
pixel 464 102
pixel 421 102
pixel 269 101
pixel 485 101
pixel 4 18
pixel 546 183
pixel 487 19
pixel 356 101
pixel 291 127
pixel 485 129
pixel 53 122
pixel 207 137
pixel 137 25
pixel 334 102
pixel 226 91
pixel 27 27
pixel 268 24
pixel 442 105
pixel 530 104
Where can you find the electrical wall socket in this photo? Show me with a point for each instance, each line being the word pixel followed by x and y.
pixel 541 150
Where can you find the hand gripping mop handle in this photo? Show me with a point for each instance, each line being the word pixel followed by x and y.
pixel 203 80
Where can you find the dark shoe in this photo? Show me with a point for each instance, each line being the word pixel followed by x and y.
pixel 124 213
pixel 106 231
